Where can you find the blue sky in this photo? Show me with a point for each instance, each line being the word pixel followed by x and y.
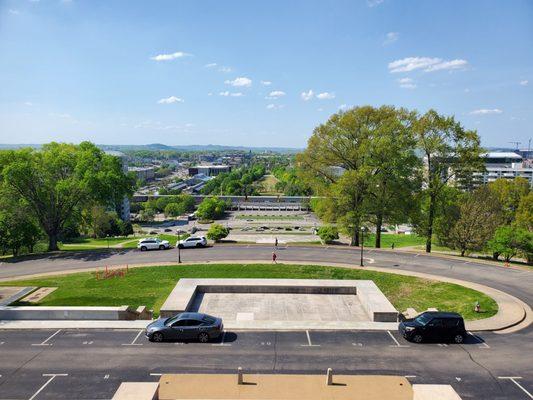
pixel 257 73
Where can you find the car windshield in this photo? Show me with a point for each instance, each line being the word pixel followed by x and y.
pixel 423 319
pixel 171 320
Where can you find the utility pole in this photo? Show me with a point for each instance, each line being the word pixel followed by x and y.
pixel 516 143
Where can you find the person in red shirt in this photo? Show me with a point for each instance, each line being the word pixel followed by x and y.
pixel 274 257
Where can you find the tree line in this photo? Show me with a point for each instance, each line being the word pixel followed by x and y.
pixel 377 165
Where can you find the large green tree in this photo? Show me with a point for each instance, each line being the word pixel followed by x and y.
pixel 451 154
pixel 59 180
pixel 358 159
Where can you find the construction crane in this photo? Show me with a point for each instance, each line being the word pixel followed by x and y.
pixel 517 144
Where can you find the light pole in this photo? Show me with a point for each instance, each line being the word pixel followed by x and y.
pixel 362 245
pixel 179 248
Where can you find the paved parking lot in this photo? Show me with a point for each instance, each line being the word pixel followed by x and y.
pixel 90 364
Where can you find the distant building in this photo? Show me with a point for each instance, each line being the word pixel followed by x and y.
pixel 123 209
pixel 143 173
pixel 209 170
pixel 503 165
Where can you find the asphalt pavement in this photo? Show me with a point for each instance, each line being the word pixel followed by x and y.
pixel 92 364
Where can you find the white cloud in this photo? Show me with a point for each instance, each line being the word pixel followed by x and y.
pixel 485 111
pixel 306 96
pixel 274 107
pixel 373 3
pixel 239 82
pixel 266 83
pixel 343 106
pixel 14 12
pixel 168 57
pixel 28 103
pixel 524 82
pixel 390 38
pixel 275 94
pixel 427 64
pixel 407 83
pixel 170 100
pixel 231 94
pixel 325 96
pixel 225 69
pixel 210 65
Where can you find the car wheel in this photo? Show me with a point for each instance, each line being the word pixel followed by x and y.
pixel 161 247
pixel 198 244
pixel 203 337
pixel 180 246
pixel 458 339
pixel 143 248
pixel 418 338
pixel 157 337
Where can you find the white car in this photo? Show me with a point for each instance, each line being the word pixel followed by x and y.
pixel 199 241
pixel 153 244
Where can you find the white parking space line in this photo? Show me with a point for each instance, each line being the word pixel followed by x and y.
pixel 410 376
pixel 52 377
pixel 514 380
pixel 481 343
pixel 442 345
pixel 155 374
pixel 222 343
pixel 309 343
pixel 134 340
pixel 395 341
pixel 1 343
pixel 44 343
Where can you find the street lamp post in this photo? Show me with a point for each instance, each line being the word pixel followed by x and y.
pixel 179 249
pixel 362 245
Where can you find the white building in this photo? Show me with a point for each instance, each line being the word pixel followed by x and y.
pixel 504 165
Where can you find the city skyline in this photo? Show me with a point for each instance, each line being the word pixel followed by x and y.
pixel 263 75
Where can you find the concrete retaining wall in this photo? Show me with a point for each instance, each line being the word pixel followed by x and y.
pixel 378 308
pixel 74 313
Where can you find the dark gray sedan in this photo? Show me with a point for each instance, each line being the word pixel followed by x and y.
pixel 185 326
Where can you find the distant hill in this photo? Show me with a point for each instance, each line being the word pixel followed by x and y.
pixel 162 147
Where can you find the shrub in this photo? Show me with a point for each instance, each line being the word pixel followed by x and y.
pixel 328 233
pixel 174 209
pixel 217 232
pixel 509 241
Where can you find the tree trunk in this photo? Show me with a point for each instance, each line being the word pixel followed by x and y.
pixel 52 242
pixel 463 252
pixel 379 223
pixel 431 217
pixel 355 237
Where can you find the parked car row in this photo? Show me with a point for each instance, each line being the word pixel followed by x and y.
pixel 159 244
pixel 428 326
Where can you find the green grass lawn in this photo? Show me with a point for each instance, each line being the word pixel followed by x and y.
pixel 387 239
pixel 150 286
pixel 270 217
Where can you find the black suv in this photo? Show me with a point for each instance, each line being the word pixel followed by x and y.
pixel 434 326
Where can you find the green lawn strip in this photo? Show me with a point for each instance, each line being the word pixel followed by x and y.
pixel 270 217
pixel 150 286
pixel 387 239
